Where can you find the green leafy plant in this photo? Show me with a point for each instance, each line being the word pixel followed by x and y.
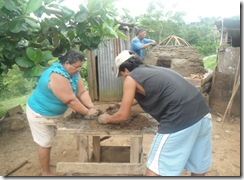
pixel 15 84
pixel 84 74
pixel 209 62
pixel 34 31
pixel 12 102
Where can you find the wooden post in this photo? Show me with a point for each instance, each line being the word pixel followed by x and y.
pixel 236 86
pixel 83 145
pixel 96 148
pixel 92 78
pixel 136 149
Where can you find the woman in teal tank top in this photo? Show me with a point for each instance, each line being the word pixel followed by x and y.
pixel 59 87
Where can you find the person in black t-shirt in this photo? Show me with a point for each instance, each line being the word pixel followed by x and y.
pixel 183 140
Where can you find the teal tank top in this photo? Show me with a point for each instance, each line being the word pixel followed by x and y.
pixel 43 101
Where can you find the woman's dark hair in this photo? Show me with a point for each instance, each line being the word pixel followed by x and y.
pixel 131 63
pixel 72 56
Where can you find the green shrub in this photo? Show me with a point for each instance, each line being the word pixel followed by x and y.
pixel 12 102
pixel 14 83
pixel 84 74
pixel 209 62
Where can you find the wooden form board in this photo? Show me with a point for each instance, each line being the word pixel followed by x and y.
pixel 92 127
pixel 101 132
pixel 84 154
pixel 102 168
pixel 89 163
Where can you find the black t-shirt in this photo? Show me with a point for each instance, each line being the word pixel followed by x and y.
pixel 173 101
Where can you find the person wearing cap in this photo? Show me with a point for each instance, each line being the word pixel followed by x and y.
pixel 183 140
pixel 139 43
pixel 59 87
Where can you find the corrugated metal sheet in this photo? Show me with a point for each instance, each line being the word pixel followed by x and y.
pixel 103 85
pixel 110 87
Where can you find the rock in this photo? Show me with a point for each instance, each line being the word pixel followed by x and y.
pixel 17 125
pixel 216 136
pixel 219 119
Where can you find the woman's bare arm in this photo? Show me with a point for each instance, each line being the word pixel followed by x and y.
pixel 129 89
pixel 62 89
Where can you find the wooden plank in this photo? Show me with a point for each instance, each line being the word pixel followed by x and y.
pixel 195 82
pixel 15 166
pixel 206 79
pixel 96 148
pixel 93 128
pixel 83 144
pixel 134 133
pixel 94 76
pixel 102 168
pixel 90 74
pixel 136 149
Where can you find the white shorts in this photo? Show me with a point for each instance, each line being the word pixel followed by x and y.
pixel 42 134
pixel 189 149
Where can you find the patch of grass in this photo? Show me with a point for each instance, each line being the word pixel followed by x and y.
pixel 209 62
pixel 10 103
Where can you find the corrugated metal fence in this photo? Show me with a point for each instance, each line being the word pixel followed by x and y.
pixel 103 85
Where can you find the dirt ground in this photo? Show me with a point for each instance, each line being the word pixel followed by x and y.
pixel 18 152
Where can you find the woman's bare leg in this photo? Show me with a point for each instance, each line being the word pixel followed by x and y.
pixel 44 158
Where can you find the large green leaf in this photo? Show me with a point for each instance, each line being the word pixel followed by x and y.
pixel 60 1
pixel 83 8
pixel 80 27
pixel 55 40
pixel 92 4
pixel 55 22
pixel 39 12
pixel 2 66
pixel 16 25
pixel 23 62
pixel 48 1
pixel 46 56
pixel 83 47
pixel 9 5
pixel 95 41
pixel 109 31
pixel 3 27
pixel 121 35
pixel 71 35
pixel 32 23
pixel 1 4
pixel 32 6
pixel 66 12
pixel 37 70
pixel 50 63
pixel 96 8
pixel 22 28
pixel 86 40
pixel 81 16
pixel 94 22
pixel 34 55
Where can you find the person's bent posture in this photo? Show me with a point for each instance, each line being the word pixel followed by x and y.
pixel 59 87
pixel 183 140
